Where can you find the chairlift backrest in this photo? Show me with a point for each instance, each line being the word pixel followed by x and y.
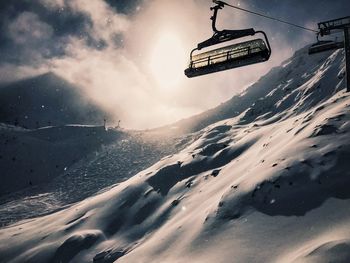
pixel 243 46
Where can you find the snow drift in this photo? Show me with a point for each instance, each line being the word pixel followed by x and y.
pixel 269 185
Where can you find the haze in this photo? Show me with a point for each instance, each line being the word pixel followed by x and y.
pixel 131 61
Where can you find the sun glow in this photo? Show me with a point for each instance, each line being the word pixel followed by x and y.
pixel 168 60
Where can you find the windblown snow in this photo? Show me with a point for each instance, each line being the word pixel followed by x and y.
pixel 269 185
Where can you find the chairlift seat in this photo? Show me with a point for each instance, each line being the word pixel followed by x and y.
pixel 326 45
pixel 229 57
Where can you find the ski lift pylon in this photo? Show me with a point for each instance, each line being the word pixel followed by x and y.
pixel 332 27
pixel 227 57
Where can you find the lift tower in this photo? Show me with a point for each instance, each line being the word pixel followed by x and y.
pixel 335 26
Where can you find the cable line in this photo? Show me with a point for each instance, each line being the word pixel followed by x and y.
pixel 265 16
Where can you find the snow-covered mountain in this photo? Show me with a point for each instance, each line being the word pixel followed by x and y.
pixel 47 100
pixel 267 183
pixel 279 82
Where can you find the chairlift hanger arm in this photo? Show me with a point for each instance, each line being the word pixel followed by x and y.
pixel 221 36
pixel 215 14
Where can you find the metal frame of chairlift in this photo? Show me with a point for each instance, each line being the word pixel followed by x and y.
pixel 336 26
pixel 324 29
pixel 221 36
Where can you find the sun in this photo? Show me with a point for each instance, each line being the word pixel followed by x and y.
pixel 168 60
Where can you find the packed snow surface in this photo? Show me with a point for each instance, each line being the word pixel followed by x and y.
pixel 269 185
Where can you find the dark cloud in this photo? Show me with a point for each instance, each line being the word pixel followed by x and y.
pixel 20 19
pixel 125 6
pixel 65 23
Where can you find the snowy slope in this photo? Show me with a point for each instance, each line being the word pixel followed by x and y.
pixel 87 158
pixel 269 185
pixel 32 157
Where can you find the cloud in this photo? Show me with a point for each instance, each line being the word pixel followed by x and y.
pixel 110 78
pixel 28 28
pixel 10 72
pixel 105 22
pixel 53 4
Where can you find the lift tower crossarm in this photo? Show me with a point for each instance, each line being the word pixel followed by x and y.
pixel 327 27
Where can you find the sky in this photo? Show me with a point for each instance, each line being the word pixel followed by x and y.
pixel 129 55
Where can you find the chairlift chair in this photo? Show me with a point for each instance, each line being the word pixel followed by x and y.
pixel 325 45
pixel 231 56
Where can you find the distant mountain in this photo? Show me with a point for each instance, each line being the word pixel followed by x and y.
pixel 46 100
